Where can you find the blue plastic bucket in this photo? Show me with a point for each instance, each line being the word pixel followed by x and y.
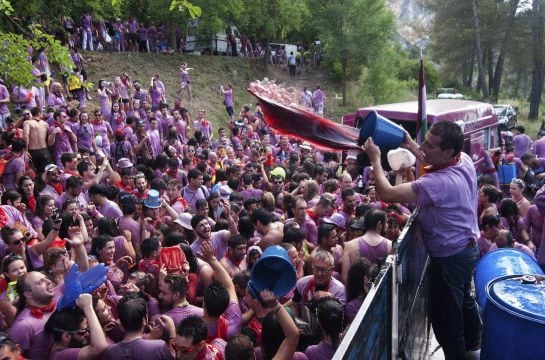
pixel 384 132
pixel 273 271
pixel 514 319
pixel 501 262
pixel 506 173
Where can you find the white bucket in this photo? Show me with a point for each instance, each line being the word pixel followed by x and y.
pixel 399 158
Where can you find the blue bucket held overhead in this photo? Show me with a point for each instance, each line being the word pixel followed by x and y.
pixel 384 132
pixel 506 173
pixel 501 262
pixel 273 271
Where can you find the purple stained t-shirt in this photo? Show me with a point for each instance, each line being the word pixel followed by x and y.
pixel 448 219
pixel 179 313
pixel 138 349
pixel 522 143
pixel 321 351
pixel 234 319
pixel 28 332
pixel 4 94
pixel 13 167
pixel 218 240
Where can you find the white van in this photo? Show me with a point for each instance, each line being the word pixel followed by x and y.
pixel 199 41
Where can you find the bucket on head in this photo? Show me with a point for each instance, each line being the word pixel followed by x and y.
pixel 501 262
pixel 384 132
pixel 273 271
pixel 514 320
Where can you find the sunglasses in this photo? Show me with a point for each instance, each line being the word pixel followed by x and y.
pixel 18 242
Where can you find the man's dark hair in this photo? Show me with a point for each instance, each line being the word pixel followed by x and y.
pixel 249 202
pixel 373 218
pixel 347 192
pixel 197 219
pixel 246 227
pixel 98 189
pixel 239 347
pixel 490 220
pixel 57 113
pixel 18 145
pixel 131 312
pixel 236 240
pixel 193 174
pixel 520 129
pixel 66 157
pixel 35 111
pixel 10 195
pixel 216 299
pixel 176 283
pixel 149 245
pixel 452 136
pixel 292 234
pixel 193 326
pixel 261 215
pixel 74 182
pixel 65 320
pixel 324 230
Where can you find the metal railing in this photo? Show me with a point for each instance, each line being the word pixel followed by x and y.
pixel 393 323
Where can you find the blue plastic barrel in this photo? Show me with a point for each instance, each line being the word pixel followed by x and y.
pixel 501 262
pixel 514 318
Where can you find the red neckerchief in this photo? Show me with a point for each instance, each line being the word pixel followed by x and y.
pixel 310 286
pixel 312 215
pixel 139 195
pixel 231 259
pixel 31 203
pixel 57 187
pixel 127 188
pixel 221 332
pixel 119 118
pixel 97 121
pixel 181 200
pixel 60 126
pixel 173 173
pixel 38 312
pixel 209 351
pixel 3 284
pixel 256 327
pixel 429 169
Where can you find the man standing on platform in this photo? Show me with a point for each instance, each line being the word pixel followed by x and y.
pixel 447 198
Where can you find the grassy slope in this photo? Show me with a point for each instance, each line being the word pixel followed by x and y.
pixel 207 74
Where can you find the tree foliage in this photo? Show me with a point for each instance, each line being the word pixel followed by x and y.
pixel 354 33
pixel 15 66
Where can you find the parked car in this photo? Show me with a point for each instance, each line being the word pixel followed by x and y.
pixel 507 116
pixel 201 41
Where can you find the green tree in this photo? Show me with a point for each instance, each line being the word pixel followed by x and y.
pixel 354 33
pixel 15 66
pixel 267 20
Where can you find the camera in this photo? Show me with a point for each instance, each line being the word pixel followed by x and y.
pixel 55 216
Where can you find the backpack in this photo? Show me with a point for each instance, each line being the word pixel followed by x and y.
pixel 120 150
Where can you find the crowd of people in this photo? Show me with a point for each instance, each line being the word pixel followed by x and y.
pixel 179 213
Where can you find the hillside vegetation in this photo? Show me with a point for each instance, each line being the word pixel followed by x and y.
pixel 207 75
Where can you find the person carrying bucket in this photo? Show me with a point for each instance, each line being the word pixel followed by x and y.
pixel 447 198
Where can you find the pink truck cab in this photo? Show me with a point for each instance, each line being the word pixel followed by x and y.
pixel 477 120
